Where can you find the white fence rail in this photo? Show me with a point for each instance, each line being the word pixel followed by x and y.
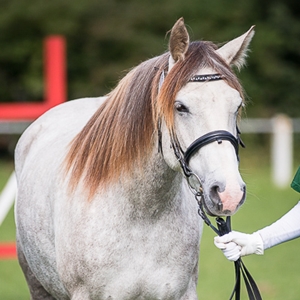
pixel 282 129
pixel 13 127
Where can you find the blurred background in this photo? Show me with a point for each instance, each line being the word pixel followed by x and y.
pixel 105 38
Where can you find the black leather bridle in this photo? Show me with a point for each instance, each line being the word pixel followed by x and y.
pixel 218 135
pixel 223 227
pixel 213 136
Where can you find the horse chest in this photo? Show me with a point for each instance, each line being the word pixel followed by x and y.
pixel 140 258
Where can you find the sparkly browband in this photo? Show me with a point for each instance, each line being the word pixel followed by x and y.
pixel 203 78
pixel 195 78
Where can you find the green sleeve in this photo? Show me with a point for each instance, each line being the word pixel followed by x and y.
pixel 296 181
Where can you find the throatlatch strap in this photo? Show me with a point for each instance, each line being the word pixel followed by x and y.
pixel 252 289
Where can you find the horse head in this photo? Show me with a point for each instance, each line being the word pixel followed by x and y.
pixel 189 96
pixel 199 98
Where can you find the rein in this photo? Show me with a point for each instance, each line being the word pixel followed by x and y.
pixel 224 227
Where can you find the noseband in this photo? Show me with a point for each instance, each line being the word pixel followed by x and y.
pixel 213 136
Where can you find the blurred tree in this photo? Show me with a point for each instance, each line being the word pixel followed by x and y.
pixel 106 37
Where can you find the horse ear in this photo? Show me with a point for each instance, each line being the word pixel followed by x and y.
pixel 179 42
pixel 235 51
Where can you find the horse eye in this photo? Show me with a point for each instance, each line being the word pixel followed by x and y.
pixel 181 108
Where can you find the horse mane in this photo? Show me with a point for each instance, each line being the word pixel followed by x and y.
pixel 121 132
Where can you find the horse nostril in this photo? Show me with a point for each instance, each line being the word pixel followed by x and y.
pixel 214 196
pixel 244 195
pixel 220 206
pixel 226 199
pixel 214 191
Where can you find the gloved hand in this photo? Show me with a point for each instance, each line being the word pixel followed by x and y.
pixel 245 244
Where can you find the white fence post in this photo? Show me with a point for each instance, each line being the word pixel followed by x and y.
pixel 282 150
pixel 7 196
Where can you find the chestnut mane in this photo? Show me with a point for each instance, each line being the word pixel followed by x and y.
pixel 120 135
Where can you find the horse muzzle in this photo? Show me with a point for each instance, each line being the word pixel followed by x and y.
pixel 223 200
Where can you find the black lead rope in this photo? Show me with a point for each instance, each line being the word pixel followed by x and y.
pixel 239 266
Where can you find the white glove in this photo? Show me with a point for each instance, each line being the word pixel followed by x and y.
pixel 231 250
pixel 245 244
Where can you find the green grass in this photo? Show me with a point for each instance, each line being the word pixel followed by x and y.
pixel 276 272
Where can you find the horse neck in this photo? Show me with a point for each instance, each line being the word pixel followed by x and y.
pixel 155 188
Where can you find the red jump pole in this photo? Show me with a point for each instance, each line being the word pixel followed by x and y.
pixel 54 81
pixel 55 74
pixel 8 251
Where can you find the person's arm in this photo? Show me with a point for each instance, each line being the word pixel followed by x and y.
pixel 285 229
